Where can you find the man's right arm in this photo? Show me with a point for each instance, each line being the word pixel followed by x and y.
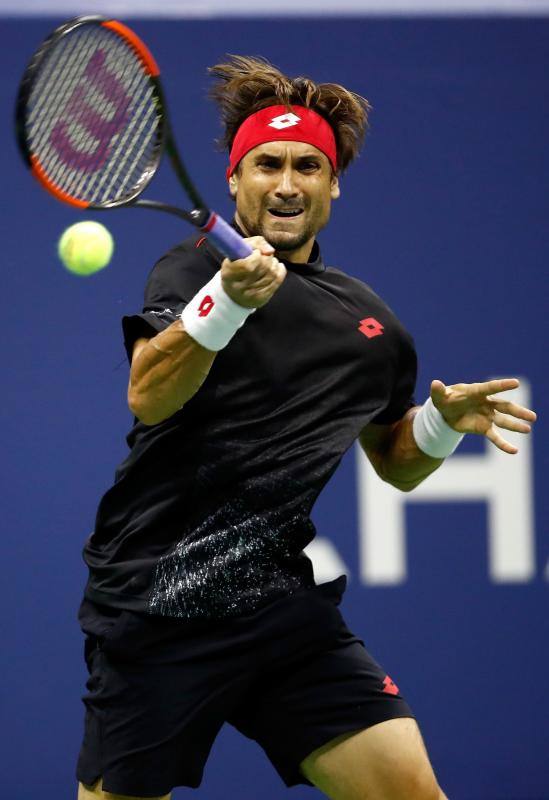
pixel 168 369
pixel 166 372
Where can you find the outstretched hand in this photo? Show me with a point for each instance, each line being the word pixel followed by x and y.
pixel 471 408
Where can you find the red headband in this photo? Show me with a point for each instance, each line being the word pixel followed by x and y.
pixel 276 123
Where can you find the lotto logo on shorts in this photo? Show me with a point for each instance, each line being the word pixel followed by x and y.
pixel 205 306
pixel 284 121
pixel 370 327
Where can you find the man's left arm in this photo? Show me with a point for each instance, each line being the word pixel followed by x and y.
pixel 450 412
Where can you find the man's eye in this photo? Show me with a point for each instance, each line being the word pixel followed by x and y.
pixel 309 166
pixel 268 164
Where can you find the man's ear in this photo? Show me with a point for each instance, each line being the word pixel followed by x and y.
pixel 334 187
pixel 233 184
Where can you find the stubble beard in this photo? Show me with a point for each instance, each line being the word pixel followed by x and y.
pixel 280 240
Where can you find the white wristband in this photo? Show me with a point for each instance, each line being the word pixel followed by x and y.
pixel 432 433
pixel 212 318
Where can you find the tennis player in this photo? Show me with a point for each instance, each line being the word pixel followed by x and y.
pixel 249 381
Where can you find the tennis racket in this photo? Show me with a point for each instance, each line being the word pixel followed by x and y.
pixel 92 125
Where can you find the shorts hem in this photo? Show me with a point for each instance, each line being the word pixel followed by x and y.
pixel 119 786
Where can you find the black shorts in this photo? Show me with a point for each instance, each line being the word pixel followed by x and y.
pixel 291 676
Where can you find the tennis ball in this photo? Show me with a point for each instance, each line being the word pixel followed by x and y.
pixel 85 248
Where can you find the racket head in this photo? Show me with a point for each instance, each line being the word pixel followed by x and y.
pixel 91 120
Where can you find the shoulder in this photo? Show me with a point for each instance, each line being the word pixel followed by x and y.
pixel 183 269
pixel 193 253
pixel 357 287
pixel 367 298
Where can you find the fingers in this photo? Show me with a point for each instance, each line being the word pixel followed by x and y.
pixel 261 244
pixel 254 266
pixel 507 407
pixel 251 267
pixel 438 392
pixel 510 423
pixel 477 390
pixel 475 393
pixel 438 387
pixel 495 386
pixel 500 442
pixel 267 283
pixel 252 281
pixel 508 416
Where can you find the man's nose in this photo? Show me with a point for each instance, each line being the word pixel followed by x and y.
pixel 286 186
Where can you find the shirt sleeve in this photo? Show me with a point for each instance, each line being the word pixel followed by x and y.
pixel 402 394
pixel 172 283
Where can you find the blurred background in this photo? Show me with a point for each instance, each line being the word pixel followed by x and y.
pixel 446 216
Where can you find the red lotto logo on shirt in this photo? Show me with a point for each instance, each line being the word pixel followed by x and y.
pixel 205 306
pixel 370 327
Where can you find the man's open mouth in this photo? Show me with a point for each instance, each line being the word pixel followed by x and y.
pixel 285 213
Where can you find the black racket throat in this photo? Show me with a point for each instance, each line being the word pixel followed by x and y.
pixel 198 216
pixel 179 169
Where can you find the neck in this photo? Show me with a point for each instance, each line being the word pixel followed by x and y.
pixel 299 256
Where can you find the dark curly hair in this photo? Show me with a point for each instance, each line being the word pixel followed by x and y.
pixel 246 84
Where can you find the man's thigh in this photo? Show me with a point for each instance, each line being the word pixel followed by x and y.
pixel 323 694
pixel 96 792
pixel 385 762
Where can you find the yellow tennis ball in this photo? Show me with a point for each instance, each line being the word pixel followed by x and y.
pixel 85 248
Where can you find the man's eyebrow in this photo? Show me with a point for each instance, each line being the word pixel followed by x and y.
pixel 277 157
pixel 261 156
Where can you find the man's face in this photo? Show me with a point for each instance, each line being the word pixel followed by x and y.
pixel 283 192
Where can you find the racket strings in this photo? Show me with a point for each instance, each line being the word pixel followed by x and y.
pixel 50 90
pixel 120 182
pixel 56 83
pixel 93 120
pixel 63 80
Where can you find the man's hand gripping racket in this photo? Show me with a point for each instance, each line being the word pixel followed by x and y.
pixel 92 125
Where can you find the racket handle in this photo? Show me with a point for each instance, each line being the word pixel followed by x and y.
pixel 225 238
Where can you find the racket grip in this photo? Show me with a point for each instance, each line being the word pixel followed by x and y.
pixel 225 238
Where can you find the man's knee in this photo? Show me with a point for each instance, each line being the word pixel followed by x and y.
pixel 96 792
pixel 415 779
pixel 418 784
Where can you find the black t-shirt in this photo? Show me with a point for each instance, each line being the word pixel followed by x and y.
pixel 209 513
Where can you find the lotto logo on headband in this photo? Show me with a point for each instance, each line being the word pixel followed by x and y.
pixel 284 121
